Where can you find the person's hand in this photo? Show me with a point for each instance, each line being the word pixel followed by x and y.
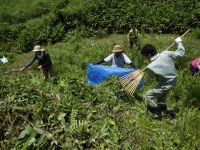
pixel 40 66
pixel 23 68
pixel 178 39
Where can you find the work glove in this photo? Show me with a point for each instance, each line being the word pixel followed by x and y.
pixel 22 69
pixel 178 39
pixel 40 66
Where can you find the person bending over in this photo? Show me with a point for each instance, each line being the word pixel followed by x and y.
pixel 163 69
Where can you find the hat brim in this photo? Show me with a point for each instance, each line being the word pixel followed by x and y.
pixel 119 50
pixel 38 50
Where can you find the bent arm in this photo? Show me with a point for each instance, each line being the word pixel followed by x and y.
pixel 133 65
pixel 100 62
pixel 30 62
pixel 180 51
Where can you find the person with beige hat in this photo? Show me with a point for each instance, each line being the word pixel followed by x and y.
pixel 44 61
pixel 117 58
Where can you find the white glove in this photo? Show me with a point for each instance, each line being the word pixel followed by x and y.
pixel 178 39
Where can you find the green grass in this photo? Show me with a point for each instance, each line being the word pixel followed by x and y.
pixel 78 116
pixel 18 11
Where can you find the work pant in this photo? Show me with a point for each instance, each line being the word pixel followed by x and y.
pixel 158 95
pixel 133 41
pixel 47 70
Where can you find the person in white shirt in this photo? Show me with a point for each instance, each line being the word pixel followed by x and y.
pixel 117 58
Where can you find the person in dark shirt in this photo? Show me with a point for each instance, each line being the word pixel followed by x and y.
pixel 44 61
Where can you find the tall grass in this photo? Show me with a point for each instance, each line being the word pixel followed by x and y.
pixel 66 113
pixel 19 11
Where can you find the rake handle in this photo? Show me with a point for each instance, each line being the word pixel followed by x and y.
pixel 181 37
pixel 170 46
pixel 166 49
pixel 18 70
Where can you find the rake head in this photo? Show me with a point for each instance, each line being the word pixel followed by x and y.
pixel 131 81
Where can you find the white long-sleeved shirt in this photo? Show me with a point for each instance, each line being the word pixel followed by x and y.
pixel 119 61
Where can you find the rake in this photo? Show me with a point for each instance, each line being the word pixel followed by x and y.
pixel 16 71
pixel 131 81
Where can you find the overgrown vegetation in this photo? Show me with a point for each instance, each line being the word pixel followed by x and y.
pixel 49 22
pixel 65 112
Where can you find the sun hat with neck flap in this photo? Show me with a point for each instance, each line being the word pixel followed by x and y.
pixel 117 48
pixel 38 48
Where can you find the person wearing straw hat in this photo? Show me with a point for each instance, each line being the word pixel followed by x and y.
pixel 133 37
pixel 44 61
pixel 117 58
pixel 163 69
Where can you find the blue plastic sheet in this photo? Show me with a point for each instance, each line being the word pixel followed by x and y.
pixel 98 73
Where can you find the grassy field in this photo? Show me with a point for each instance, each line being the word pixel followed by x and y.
pixel 67 113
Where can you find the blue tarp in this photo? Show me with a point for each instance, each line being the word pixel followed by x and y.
pixel 98 73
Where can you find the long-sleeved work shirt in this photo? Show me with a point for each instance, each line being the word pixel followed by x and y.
pixel 44 61
pixel 163 68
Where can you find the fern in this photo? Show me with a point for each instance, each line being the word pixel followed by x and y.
pixel 73 116
pixel 76 126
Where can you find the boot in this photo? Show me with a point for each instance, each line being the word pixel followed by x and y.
pixel 171 113
pixel 156 111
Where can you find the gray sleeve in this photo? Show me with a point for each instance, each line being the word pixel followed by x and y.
pixel 180 51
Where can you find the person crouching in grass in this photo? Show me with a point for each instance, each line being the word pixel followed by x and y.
pixel 195 66
pixel 163 69
pixel 44 61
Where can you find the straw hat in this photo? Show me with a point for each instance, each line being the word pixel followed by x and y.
pixel 117 48
pixel 37 48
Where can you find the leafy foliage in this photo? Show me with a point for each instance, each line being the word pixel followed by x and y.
pixel 49 22
pixel 66 113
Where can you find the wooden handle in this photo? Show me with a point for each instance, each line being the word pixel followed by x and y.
pixel 171 45
pixel 181 37
pixel 166 49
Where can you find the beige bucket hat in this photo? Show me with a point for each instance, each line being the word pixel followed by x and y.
pixel 117 48
pixel 37 48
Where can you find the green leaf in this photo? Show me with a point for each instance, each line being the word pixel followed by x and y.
pixel 25 132
pixel 61 116
pixel 38 130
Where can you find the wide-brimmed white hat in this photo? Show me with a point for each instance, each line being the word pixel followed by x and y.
pixel 37 48
pixel 117 48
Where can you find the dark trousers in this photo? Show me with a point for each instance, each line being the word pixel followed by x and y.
pixel 193 70
pixel 133 41
pixel 47 70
